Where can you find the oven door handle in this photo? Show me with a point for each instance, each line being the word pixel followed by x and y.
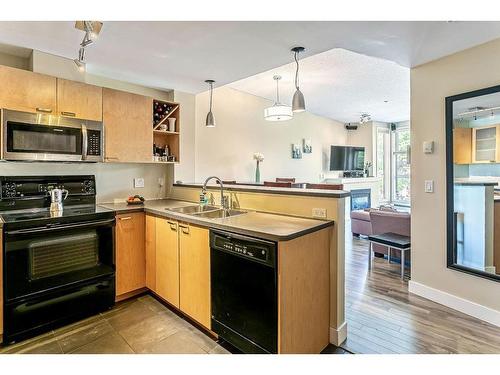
pixel 58 227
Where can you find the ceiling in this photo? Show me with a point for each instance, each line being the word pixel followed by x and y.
pixel 341 85
pixel 182 55
pixel 465 105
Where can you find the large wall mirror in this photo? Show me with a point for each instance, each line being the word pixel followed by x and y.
pixel 473 182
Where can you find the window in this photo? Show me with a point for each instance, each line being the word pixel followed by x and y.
pixel 383 163
pixel 401 166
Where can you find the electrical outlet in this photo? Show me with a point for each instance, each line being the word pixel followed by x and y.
pixel 139 182
pixel 319 212
pixel 429 186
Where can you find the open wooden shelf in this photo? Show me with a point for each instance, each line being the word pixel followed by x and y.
pixel 162 138
pixel 165 132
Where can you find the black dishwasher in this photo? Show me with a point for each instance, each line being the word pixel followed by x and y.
pixel 244 291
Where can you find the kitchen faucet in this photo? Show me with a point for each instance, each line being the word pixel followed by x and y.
pixel 224 202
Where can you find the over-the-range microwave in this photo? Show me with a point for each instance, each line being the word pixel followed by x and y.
pixel 45 137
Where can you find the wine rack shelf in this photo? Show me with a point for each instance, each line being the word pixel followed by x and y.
pixel 164 137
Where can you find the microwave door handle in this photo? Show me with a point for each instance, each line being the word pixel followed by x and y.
pixel 85 142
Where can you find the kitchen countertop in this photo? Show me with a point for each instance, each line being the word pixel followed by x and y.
pixel 272 190
pixel 257 224
pixel 475 181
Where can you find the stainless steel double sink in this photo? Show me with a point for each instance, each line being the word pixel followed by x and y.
pixel 209 212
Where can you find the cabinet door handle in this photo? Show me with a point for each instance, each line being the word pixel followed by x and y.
pixel 69 114
pixel 111 158
pixel 125 218
pixel 173 226
pixel 185 229
pixel 44 110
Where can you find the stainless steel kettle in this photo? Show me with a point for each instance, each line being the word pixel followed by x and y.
pixel 56 199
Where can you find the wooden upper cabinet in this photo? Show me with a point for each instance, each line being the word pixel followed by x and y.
pixel 78 99
pixel 486 144
pixel 462 145
pixel 22 90
pixel 130 252
pixel 128 120
pixel 194 254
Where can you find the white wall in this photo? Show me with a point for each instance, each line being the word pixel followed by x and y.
pixel 57 66
pixel 227 150
pixel 184 171
pixel 468 70
pixel 113 181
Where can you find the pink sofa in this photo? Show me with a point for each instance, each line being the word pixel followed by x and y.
pixel 378 221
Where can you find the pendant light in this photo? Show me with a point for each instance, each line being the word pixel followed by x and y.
pixel 278 111
pixel 298 102
pixel 210 120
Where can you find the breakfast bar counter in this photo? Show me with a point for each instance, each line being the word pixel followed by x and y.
pixel 258 224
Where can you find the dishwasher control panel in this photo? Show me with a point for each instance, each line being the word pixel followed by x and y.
pixel 244 246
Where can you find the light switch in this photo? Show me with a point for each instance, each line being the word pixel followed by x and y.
pixel 429 186
pixel 139 182
pixel 428 147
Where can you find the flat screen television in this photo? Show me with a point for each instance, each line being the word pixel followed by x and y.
pixel 347 158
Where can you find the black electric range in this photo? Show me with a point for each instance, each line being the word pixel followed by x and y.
pixel 58 267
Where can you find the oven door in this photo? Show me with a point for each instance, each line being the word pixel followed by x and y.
pixel 45 259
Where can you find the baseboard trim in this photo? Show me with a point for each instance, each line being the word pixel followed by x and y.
pixel 457 303
pixel 338 335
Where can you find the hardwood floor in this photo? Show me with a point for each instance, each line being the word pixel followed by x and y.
pixel 383 317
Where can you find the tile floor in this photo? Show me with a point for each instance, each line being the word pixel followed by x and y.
pixel 139 325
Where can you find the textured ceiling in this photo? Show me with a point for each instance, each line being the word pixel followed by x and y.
pixel 341 85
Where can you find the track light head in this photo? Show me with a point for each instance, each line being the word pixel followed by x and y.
pixel 80 65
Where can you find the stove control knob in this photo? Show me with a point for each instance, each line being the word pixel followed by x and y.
pixel 87 187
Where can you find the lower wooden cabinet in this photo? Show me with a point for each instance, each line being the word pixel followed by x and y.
pixel 167 260
pixel 170 258
pixel 182 266
pixel 130 253
pixel 194 250
pixel 151 252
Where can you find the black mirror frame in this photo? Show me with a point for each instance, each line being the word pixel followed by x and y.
pixel 451 259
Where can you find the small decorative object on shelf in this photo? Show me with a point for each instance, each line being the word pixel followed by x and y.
pixel 171 124
pixel 259 158
pixel 368 165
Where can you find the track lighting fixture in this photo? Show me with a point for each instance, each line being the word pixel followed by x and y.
pixel 80 65
pixel 91 29
pixel 364 118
